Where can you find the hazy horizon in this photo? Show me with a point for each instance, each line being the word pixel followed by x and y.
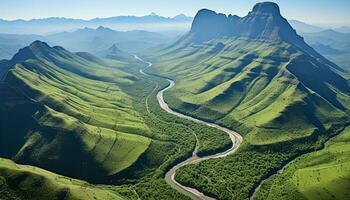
pixel 330 13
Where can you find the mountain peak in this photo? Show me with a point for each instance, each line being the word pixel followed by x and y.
pixel 101 28
pixel 180 15
pixel 30 51
pixel 208 24
pixel 266 8
pixel 36 49
pixel 38 43
pixel 114 49
pixel 153 14
pixel 208 13
pixel 264 22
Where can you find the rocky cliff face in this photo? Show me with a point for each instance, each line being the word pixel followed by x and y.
pixel 264 22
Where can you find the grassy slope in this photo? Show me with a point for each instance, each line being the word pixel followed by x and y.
pixel 323 174
pixel 255 87
pixel 91 126
pixel 27 182
pixel 262 90
pixel 79 96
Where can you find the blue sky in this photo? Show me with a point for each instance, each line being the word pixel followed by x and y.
pixel 321 12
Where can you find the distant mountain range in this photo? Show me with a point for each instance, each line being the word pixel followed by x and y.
pixel 329 37
pixel 95 40
pixel 117 19
pixel 343 29
pixel 87 40
pixel 150 22
pixel 303 27
pixel 332 44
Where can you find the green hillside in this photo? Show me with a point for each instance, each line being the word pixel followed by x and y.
pixel 272 88
pixel 255 87
pixel 77 116
pixel 26 182
pixel 79 126
pixel 85 117
pixel 322 174
pixel 264 90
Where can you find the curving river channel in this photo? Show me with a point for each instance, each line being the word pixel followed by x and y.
pixel 170 175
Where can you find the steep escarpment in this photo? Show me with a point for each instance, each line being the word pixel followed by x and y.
pixel 263 22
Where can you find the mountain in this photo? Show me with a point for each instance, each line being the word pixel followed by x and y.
pixel 51 25
pixel 303 27
pixel 82 116
pixel 88 40
pixel 183 17
pixel 95 40
pixel 256 75
pixel 67 105
pixel 264 37
pixel 11 43
pixel 96 119
pixel 332 44
pixel 115 53
pixel 4 54
pixel 4 67
pixel 264 22
pixel 343 29
pixel 329 37
pixel 326 49
pixel 151 18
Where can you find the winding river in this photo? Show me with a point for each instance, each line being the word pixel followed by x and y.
pixel 170 175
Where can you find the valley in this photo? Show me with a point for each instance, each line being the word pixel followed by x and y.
pixel 257 88
pixel 236 108
pixel 157 141
pixel 236 140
